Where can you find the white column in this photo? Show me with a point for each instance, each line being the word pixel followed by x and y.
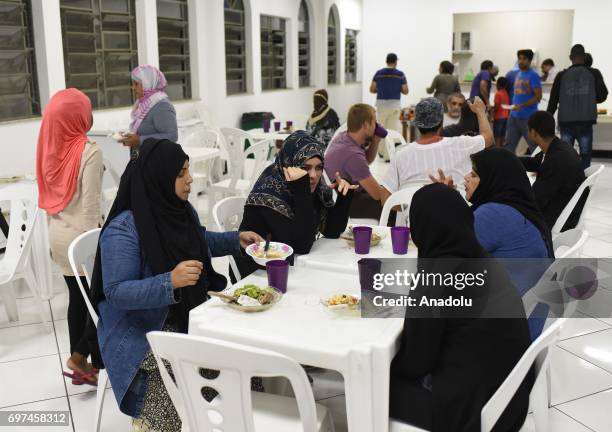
pixel 48 50
pixel 146 31
pixel 198 48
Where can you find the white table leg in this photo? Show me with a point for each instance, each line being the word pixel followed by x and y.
pixel 359 393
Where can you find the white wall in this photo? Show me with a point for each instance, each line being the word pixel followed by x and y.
pixel 537 30
pixel 18 146
pixel 421 33
pixel 293 103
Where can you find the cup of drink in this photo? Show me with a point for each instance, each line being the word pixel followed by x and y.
pixel 278 274
pixel 266 125
pixel 380 131
pixel 277 126
pixel 368 267
pixel 289 125
pixel 362 236
pixel 400 235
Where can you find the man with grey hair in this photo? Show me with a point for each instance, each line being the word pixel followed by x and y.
pixel 432 152
pixel 453 107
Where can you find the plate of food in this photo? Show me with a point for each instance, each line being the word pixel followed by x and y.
pixel 117 136
pixel 377 236
pixel 11 179
pixel 342 303
pixel 249 297
pixel 276 251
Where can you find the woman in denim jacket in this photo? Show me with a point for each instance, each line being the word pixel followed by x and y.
pixel 153 266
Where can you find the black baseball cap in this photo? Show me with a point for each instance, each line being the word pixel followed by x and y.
pixel 391 58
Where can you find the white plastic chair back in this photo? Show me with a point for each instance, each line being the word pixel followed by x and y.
pixel 589 182
pixel 233 145
pixel 24 210
pixel 109 193
pixel 260 151
pixel 393 137
pixel 81 255
pixel 341 129
pixel 569 243
pixel 227 215
pixel 232 409
pixel 538 355
pixel 402 197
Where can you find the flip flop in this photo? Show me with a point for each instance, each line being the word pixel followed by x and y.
pixel 80 379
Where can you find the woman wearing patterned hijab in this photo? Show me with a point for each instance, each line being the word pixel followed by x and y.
pixel 323 121
pixel 290 201
pixel 153 115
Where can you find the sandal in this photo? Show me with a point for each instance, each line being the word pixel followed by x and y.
pixel 80 379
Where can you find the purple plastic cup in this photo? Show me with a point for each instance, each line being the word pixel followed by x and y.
pixel 362 236
pixel 266 125
pixel 278 274
pixel 289 124
pixel 400 235
pixel 277 126
pixel 368 267
pixel 380 131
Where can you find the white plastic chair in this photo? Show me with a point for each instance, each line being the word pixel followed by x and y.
pixel 16 262
pixel 236 408
pixel 539 398
pixel 592 173
pixel 402 197
pixel 82 254
pixel 109 193
pixel 393 137
pixel 569 243
pixel 227 215
pixel 206 172
pixel 341 129
pixel 236 184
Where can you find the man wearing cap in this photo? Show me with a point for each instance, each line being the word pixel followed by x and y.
pixel 432 152
pixel 576 91
pixel 389 84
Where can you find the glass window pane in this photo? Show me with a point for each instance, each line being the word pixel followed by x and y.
pixel 18 86
pixel 235 47
pixel 100 48
pixel 173 34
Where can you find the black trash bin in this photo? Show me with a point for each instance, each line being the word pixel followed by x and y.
pixel 254 120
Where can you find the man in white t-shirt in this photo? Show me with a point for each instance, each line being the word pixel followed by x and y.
pixel 432 152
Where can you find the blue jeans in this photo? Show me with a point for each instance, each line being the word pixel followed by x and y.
pixel 517 128
pixel 583 133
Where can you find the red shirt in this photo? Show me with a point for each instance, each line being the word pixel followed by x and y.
pixel 501 97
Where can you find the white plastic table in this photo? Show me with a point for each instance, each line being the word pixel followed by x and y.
pixel 336 254
pixel 300 327
pixel 260 135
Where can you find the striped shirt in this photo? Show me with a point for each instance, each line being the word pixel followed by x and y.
pixel 415 162
pixel 389 83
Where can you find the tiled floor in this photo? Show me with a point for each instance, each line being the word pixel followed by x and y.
pixel 32 354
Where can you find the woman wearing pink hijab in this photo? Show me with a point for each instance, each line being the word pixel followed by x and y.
pixel 153 116
pixel 69 176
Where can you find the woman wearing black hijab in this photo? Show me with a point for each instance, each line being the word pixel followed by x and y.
pixel 507 220
pixel 152 267
pixel 323 121
pixel 451 362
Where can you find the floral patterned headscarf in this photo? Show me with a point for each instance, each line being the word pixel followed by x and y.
pixel 270 189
